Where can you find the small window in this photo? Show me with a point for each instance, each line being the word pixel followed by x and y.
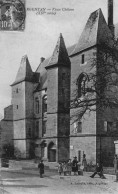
pixel 44 103
pixel 16 90
pixel 109 126
pixel 44 126
pixel 83 59
pixel 17 106
pixel 105 126
pixel 37 129
pixel 115 126
pixel 79 127
pixel 37 105
pixel 29 132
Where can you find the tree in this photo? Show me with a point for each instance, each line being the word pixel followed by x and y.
pixel 97 89
pixel 8 151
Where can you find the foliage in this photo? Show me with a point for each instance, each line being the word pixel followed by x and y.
pixel 101 87
pixel 8 151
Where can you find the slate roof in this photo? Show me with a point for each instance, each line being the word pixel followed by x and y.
pixel 25 72
pixel 43 72
pixel 60 54
pixel 96 31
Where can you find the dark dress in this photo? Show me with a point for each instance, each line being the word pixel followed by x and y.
pixel 41 168
pixel 74 166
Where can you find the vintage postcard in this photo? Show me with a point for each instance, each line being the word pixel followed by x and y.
pixel 58 96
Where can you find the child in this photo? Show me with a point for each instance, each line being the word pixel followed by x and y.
pixel 60 169
pixel 99 171
pixel 41 168
pixel 65 168
pixel 84 163
pixel 69 167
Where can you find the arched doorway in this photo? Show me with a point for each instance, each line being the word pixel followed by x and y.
pixel 43 149
pixel 51 152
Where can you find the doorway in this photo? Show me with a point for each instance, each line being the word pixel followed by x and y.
pixel 51 152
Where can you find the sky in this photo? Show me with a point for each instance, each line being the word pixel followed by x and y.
pixel 40 36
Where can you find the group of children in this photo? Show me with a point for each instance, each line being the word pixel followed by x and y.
pixel 67 167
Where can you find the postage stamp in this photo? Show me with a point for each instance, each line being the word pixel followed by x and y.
pixel 12 15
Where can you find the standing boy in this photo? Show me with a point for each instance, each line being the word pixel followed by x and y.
pixel 41 168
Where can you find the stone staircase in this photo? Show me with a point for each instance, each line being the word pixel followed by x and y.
pixel 22 164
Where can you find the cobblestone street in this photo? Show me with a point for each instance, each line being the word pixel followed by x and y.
pixel 29 182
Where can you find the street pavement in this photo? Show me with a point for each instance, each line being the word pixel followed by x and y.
pixel 27 181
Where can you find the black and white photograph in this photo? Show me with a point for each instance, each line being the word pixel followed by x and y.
pixel 58 96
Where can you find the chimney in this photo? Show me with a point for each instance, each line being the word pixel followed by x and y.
pixel 110 16
pixel 42 59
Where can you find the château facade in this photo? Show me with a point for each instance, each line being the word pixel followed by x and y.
pixel 38 120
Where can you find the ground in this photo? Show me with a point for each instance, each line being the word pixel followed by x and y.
pixel 29 182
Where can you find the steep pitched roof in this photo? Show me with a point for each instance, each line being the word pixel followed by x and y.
pixel 25 72
pixel 60 54
pixel 43 72
pixel 96 31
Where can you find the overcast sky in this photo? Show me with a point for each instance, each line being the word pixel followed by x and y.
pixel 40 36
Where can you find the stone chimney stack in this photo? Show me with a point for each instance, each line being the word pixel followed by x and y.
pixel 42 59
pixel 110 16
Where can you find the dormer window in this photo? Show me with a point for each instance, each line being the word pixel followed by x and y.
pixel 83 59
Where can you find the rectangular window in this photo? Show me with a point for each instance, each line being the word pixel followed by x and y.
pixel 79 127
pixel 105 126
pixel 75 128
pixel 37 129
pixel 79 156
pixel 37 105
pixel 29 132
pixel 109 126
pixel 83 59
pixel 115 126
pixel 44 126
pixel 17 106
pixel 44 104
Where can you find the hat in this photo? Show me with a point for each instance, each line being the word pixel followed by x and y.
pixel 75 157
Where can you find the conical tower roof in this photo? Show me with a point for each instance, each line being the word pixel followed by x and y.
pixel 96 31
pixel 60 54
pixel 25 72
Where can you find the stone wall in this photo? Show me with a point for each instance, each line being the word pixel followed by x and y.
pixel 6 126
